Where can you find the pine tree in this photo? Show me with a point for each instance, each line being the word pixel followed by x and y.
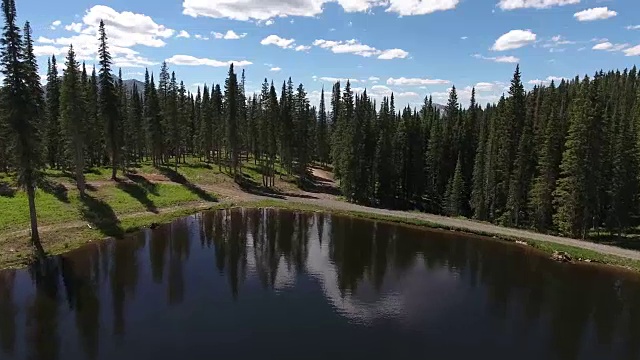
pixel 71 118
pixel 232 114
pixel 301 133
pixel 123 116
pixel 22 96
pixel 218 122
pixel 478 196
pixel 384 156
pixel 135 131
pixel 52 135
pixel 400 156
pixel 623 185
pixel 345 160
pixel 455 196
pixel 548 169
pixel 335 128
pixel 154 122
pixel 108 102
pixel 173 117
pixel 322 132
pixel 95 127
pixel 572 192
pixel 522 170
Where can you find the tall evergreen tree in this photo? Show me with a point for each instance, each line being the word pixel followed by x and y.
pixel 52 135
pixel 322 132
pixel 22 97
pixel 572 192
pixel 232 114
pixel 523 169
pixel 455 197
pixel 478 196
pixel 108 101
pixel 72 113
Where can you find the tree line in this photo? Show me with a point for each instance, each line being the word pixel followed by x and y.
pixel 559 158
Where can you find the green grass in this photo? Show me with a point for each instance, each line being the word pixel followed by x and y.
pixel 121 198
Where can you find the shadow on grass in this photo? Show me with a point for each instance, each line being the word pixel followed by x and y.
pixel 252 187
pixel 139 193
pixel 180 179
pixel 319 185
pixel 630 240
pixel 249 186
pixel 101 216
pixel 197 166
pixel 56 189
pixel 6 190
pixel 144 183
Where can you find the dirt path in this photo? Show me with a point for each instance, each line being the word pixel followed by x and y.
pixel 231 193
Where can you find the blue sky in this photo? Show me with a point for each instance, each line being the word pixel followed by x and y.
pixel 411 47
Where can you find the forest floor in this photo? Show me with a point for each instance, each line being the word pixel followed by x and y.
pixel 151 195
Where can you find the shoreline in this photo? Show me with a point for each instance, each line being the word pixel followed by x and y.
pixel 62 240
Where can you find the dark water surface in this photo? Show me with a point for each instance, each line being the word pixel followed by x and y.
pixel 249 284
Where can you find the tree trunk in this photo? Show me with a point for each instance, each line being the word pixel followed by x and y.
pixel 35 236
pixel 79 168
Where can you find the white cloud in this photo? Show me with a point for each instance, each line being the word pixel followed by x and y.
pixel 464 37
pixel 132 61
pixel 124 29
pixel 514 39
pixel 486 86
pixel 607 46
pixel 262 10
pixel 498 59
pixel 374 78
pixel 593 14
pixel 75 27
pixel 44 40
pixel 393 54
pixel 278 41
pixel 634 51
pixel 557 41
pixel 464 95
pixel 420 7
pixel 183 34
pixel 355 47
pixel 534 4
pixel 188 60
pixel 302 48
pixel 275 69
pixel 201 37
pixel 546 81
pixel 633 27
pixel 229 35
pixel 380 91
pixel 415 81
pixel 54 25
pixel 269 22
pixel 48 50
pixel 335 79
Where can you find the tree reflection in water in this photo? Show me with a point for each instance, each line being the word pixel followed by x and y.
pixel 369 272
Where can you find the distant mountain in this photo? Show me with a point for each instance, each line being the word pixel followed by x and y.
pixel 128 84
pixel 439 107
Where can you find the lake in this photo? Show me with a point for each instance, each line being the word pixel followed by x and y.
pixel 268 283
